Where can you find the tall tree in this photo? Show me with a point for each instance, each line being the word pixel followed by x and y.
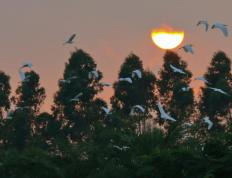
pixel 75 102
pixel 140 92
pixel 175 94
pixel 5 90
pixel 214 104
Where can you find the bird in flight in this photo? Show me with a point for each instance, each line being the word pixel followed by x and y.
pixel 127 79
pixel 208 121
pixel 202 79
pixel 123 148
pixel 221 27
pixel 164 115
pixel 137 73
pixel 26 64
pixel 205 23
pixel 106 110
pixel 185 89
pixel 139 107
pixel 76 98
pixel 104 84
pixel 70 39
pixel 188 48
pixel 176 70
pixel 219 90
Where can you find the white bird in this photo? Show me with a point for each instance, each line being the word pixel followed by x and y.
pixel 139 107
pixel 72 78
pixel 105 84
pixel 221 27
pixel 123 148
pixel 164 115
pixel 93 74
pixel 26 64
pixel 219 90
pixel 205 23
pixel 127 79
pixel 137 73
pixel 70 40
pixel 176 70
pixel 76 98
pixel 208 121
pixel 22 75
pixel 187 48
pixel 202 79
pixel 188 124
pixel 185 89
pixel 106 110
pixel 64 81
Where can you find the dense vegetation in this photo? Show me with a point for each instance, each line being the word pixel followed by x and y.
pixel 80 140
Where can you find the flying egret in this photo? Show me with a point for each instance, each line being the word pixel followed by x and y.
pixel 127 79
pixel 70 40
pixel 104 84
pixel 205 23
pixel 93 74
pixel 221 27
pixel 139 107
pixel 188 48
pixel 106 110
pixel 202 79
pixel 176 70
pixel 208 121
pixel 185 89
pixel 26 64
pixel 123 148
pixel 64 81
pixel 76 98
pixel 219 91
pixel 164 115
pixel 137 73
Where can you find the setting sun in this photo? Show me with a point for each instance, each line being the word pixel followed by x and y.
pixel 167 39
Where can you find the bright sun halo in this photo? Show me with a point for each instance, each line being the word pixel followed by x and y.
pixel 167 39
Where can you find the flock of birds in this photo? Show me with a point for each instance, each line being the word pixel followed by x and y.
pixel 138 73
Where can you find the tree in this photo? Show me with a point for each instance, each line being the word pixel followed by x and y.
pixel 30 94
pixel 179 103
pixel 80 78
pixel 5 90
pixel 139 92
pixel 215 104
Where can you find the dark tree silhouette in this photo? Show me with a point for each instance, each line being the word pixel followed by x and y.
pixel 78 117
pixel 179 103
pixel 214 104
pixel 140 92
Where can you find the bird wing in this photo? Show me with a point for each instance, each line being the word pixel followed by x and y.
pixel 72 37
pixel 22 75
pixel 189 49
pixel 222 27
pixel 205 23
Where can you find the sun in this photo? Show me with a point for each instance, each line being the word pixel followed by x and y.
pixel 167 38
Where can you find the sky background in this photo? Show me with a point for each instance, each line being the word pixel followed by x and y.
pixel 109 30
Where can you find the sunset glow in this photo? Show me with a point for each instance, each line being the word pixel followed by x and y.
pixel 167 39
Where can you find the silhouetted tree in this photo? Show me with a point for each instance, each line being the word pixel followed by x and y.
pixel 215 104
pixel 140 92
pixel 78 117
pixel 179 103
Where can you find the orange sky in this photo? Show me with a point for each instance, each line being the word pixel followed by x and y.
pixel 34 30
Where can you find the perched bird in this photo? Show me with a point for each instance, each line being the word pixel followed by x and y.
pixel 164 115
pixel 202 79
pixel 137 73
pixel 205 23
pixel 188 124
pixel 70 40
pixel 176 70
pixel 219 90
pixel 187 48
pixel 105 84
pixel 139 107
pixel 221 27
pixel 93 74
pixel 127 79
pixel 76 98
pixel 106 110
pixel 185 89
pixel 26 64
pixel 208 121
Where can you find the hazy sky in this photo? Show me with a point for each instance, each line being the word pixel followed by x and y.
pixel 109 30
